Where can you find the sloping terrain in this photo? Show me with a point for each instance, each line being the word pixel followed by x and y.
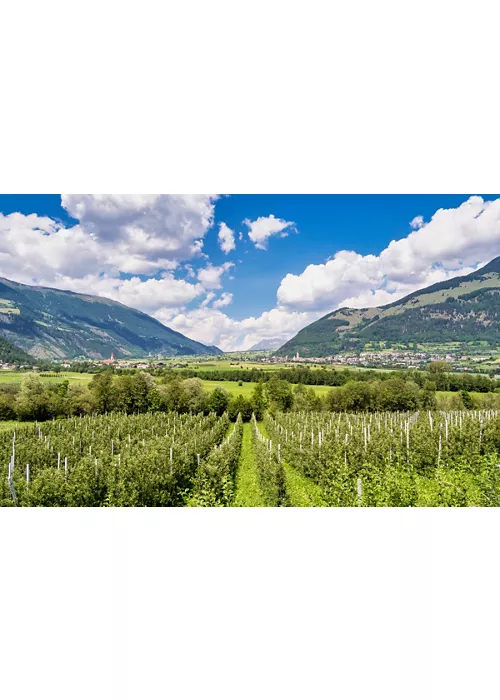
pixel 462 309
pixel 52 323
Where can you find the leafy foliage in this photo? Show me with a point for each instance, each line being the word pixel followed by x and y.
pixel 215 479
pixel 395 459
pixel 11 354
pixel 113 460
pixel 270 468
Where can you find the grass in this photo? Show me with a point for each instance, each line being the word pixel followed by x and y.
pixel 303 492
pixel 248 494
pixel 214 365
pixel 11 377
pixel 247 387
pixel 232 387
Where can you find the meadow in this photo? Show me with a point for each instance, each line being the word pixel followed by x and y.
pixel 246 388
pixel 11 377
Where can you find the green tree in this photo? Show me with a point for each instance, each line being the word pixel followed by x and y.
pixel 428 399
pixel 194 395
pixel 32 400
pixel 305 399
pixel 80 401
pixel 356 396
pixel 239 404
pixel 140 387
pixel 258 401
pixel 398 395
pixel 7 407
pixel 279 394
pixel 466 399
pixel 101 386
pixel 122 389
pixel 218 401
pixel 438 367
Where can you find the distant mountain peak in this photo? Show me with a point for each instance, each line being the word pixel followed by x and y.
pixel 266 344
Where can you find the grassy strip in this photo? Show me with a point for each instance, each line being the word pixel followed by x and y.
pixel 248 492
pixel 303 492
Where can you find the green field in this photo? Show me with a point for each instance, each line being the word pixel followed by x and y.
pixel 233 366
pixel 247 387
pixel 233 388
pixel 8 377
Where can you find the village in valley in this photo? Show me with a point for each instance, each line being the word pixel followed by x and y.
pixel 388 359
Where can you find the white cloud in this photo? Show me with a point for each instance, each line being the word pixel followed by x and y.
pixel 89 257
pixel 86 259
pixel 152 296
pixel 206 301
pixel 212 327
pixel 266 226
pixel 224 300
pixel 34 248
pixel 144 233
pixel 226 238
pixel 210 275
pixel 454 241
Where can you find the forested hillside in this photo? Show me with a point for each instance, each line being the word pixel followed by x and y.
pixel 55 324
pixel 461 310
pixel 11 354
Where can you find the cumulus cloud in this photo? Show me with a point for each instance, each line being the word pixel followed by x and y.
pixel 34 248
pixel 454 241
pixel 210 275
pixel 226 238
pixel 89 257
pixel 149 236
pixel 224 300
pixel 206 301
pixel 144 232
pixel 213 327
pixel 266 226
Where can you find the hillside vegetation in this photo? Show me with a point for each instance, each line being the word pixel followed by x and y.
pixel 12 355
pixel 56 324
pixel 460 310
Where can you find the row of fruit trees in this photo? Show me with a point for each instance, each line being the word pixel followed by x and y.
pixel 394 459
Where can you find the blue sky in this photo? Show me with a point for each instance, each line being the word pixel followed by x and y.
pixel 294 257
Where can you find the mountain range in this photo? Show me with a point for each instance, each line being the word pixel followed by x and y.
pixel 266 344
pixel 51 323
pixel 459 310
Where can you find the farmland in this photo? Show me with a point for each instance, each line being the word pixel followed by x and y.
pixel 246 388
pixel 296 458
pixel 12 377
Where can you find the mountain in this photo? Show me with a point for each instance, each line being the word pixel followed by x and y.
pixel 266 344
pixel 12 355
pixel 55 324
pixel 459 310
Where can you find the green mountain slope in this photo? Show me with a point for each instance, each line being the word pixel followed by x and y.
pixel 51 323
pixel 462 309
pixel 11 354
